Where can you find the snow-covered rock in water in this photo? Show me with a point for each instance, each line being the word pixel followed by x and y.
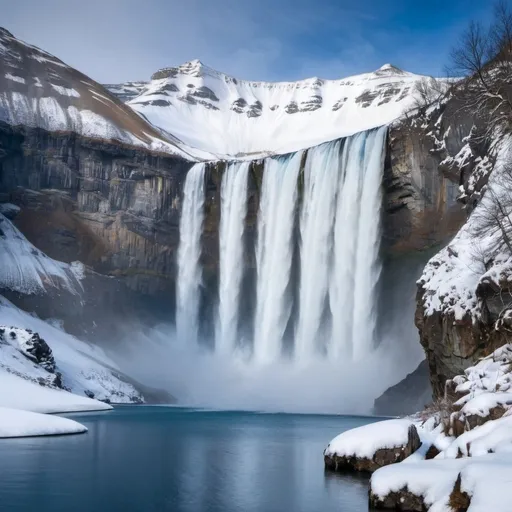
pixel 16 423
pixel 39 90
pixel 27 270
pixel 222 115
pixel 82 368
pixel 372 446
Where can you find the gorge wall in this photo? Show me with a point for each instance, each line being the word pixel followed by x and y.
pixel 116 208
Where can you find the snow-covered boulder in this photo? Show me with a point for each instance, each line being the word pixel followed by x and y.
pixel 372 446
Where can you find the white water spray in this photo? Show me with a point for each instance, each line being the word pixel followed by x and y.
pixel 274 254
pixel 189 254
pixel 231 258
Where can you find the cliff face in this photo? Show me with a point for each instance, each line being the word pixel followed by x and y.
pixel 116 208
pixel 459 299
pixel 426 163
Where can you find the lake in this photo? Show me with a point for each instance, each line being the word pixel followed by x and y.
pixel 145 458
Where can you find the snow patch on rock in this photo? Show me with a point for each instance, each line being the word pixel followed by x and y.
pixel 366 440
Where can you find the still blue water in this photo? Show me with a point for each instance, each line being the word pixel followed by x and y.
pixel 181 460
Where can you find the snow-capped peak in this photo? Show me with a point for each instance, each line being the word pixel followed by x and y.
pixel 227 117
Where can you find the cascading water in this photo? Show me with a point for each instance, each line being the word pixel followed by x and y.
pixel 355 271
pixel 321 176
pixel 231 258
pixel 189 254
pixel 274 254
pixel 339 243
pixel 368 265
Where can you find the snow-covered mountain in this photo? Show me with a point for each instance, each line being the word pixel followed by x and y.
pixel 127 90
pixel 39 90
pixel 217 113
pixel 194 111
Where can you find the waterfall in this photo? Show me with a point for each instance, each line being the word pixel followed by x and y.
pixel 356 245
pixel 321 176
pixel 274 254
pixel 368 265
pixel 231 257
pixel 339 224
pixel 189 254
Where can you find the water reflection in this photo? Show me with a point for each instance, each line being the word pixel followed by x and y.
pixel 177 460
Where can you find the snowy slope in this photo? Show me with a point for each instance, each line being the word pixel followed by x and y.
pixel 220 114
pixel 85 369
pixel 39 90
pixel 25 269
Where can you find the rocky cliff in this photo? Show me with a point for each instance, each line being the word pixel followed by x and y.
pixel 116 207
pixel 461 296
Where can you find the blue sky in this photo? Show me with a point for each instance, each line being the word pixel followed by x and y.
pixel 118 40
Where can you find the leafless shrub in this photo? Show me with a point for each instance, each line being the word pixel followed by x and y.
pixel 441 409
pixel 482 62
pixel 493 217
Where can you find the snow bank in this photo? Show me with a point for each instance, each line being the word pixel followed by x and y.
pixel 479 460
pixel 363 442
pixel 19 393
pixel 432 479
pixel 487 480
pixel 15 423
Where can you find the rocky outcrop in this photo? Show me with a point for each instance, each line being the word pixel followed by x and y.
pixel 408 396
pixel 428 158
pixel 31 345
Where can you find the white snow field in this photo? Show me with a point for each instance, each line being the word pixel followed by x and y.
pixel 227 117
pixel 16 423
